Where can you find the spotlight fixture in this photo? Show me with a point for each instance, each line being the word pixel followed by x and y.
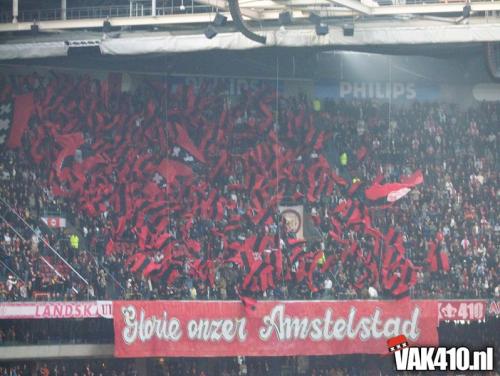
pixel 106 26
pixel 466 11
pixel 322 29
pixel 348 29
pixel 285 18
pixel 210 32
pixel 314 18
pixel 219 20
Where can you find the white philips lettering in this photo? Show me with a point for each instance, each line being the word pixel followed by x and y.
pixel 377 90
pixel 345 89
pixel 411 93
pixel 398 90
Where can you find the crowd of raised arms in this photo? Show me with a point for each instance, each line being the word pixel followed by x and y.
pixel 172 191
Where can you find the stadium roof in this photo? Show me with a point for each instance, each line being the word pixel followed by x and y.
pixel 151 29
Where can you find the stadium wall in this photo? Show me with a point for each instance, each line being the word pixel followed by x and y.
pixel 56 352
pixel 401 79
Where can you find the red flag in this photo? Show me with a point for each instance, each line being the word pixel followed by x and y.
pixel 23 108
pixel 361 153
pixel 184 141
pixel 171 169
pixel 249 304
pixel 110 247
pixel 70 142
pixel 150 268
pixel 138 260
pixel 394 191
pixel 437 257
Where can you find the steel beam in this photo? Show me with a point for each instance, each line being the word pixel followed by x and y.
pixel 203 18
pixel 354 5
pixel 222 4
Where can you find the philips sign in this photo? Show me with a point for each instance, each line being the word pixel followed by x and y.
pixel 397 91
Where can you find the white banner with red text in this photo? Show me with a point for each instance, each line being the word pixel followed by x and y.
pixel 472 310
pixel 57 310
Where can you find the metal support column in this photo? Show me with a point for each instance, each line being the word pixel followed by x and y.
pixel 63 9
pixel 15 10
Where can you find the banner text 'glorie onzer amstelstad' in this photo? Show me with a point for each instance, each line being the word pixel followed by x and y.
pixel 216 328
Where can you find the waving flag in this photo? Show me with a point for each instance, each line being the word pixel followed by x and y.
pixel 184 142
pixel 249 304
pixel 6 113
pixel 437 257
pixel 393 191
pixel 14 117
pixel 172 169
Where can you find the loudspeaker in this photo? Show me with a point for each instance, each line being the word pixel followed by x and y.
pixel 219 20
pixel 314 18
pixel 210 32
pixel 106 26
pixel 466 11
pixel 348 30
pixel 285 18
pixel 322 29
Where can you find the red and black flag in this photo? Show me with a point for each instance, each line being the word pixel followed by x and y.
pixel 256 268
pixel 242 256
pixel 296 248
pixel 171 169
pixel 165 243
pixel 69 142
pixel 399 278
pixel 142 264
pixel 169 272
pixel 276 260
pixel 311 266
pixel 394 238
pixel 187 147
pixel 315 138
pixel 391 257
pixel 437 257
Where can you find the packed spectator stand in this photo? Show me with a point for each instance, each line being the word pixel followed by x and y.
pixel 473 335
pixel 172 192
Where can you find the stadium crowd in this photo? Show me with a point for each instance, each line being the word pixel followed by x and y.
pixel 64 331
pixel 307 366
pixel 173 194
pixel 70 368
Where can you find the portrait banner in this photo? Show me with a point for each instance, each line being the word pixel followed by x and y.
pixel 294 217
